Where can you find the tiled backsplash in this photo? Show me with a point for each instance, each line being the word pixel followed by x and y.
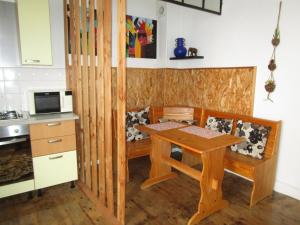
pixel 15 82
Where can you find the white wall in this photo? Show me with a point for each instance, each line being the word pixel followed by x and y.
pixel 241 37
pixel 146 9
pixel 16 79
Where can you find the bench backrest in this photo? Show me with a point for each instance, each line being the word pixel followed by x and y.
pixel 273 138
pixel 176 113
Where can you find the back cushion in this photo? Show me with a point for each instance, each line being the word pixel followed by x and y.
pixel 256 138
pixel 219 124
pixel 188 122
pixel 133 119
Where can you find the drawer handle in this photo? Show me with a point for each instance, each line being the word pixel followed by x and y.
pixel 56 157
pixel 32 60
pixel 54 124
pixel 52 141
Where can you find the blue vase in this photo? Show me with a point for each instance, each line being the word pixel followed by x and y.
pixel 180 50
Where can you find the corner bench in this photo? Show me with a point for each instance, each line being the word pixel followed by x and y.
pixel 260 171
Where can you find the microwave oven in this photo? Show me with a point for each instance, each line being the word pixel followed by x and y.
pixel 41 102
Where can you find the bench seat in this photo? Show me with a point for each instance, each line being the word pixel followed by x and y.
pixel 260 171
pixel 138 148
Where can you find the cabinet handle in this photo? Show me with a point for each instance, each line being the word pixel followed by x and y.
pixel 33 60
pixel 52 141
pixel 54 124
pixel 56 157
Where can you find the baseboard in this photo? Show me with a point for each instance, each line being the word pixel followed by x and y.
pixel 287 189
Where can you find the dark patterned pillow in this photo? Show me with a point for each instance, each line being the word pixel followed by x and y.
pixel 133 119
pixel 189 122
pixel 256 138
pixel 219 124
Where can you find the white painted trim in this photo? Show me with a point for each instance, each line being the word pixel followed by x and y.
pixel 287 189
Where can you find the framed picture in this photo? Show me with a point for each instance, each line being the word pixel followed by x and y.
pixel 141 38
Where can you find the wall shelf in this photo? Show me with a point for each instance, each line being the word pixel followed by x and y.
pixel 187 57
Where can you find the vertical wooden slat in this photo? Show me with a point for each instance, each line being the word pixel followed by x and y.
pixel 74 71
pixel 77 65
pixel 100 103
pixel 108 102
pixel 121 110
pixel 73 50
pixel 86 111
pixel 93 112
pixel 66 44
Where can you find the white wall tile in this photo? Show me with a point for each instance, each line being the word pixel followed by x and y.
pixel 12 87
pixel 1 74
pixel 15 83
pixel 1 87
pixel 2 103
pixel 13 101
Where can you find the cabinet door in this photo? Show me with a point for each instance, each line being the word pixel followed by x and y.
pixel 34 29
pixel 55 169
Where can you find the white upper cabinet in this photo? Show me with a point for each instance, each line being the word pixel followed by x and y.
pixel 35 34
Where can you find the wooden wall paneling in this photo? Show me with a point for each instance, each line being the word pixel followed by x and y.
pixel 78 87
pixel 144 87
pixel 224 89
pixel 100 104
pixel 183 87
pixel 107 26
pixel 92 95
pixel 229 90
pixel 121 110
pixel 85 87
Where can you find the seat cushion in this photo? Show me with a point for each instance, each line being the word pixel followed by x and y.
pixel 221 125
pixel 256 138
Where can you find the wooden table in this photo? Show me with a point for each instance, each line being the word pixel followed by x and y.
pixel 212 154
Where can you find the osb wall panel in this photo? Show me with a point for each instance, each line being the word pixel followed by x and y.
pixel 224 89
pixel 144 87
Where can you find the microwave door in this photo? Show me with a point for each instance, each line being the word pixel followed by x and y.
pixel 47 102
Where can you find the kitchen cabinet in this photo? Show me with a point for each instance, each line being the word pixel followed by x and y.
pixel 34 30
pixel 54 169
pixel 53 148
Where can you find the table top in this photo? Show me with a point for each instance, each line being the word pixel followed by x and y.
pixel 196 143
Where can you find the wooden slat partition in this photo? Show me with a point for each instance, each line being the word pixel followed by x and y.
pixel 89 77
pixel 100 104
pixel 121 109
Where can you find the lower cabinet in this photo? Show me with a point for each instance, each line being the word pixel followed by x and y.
pixel 55 169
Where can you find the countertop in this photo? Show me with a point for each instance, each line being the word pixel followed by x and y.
pixel 47 118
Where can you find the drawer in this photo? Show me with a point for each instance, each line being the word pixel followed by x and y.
pixel 53 145
pixel 55 169
pixel 16 188
pixel 52 129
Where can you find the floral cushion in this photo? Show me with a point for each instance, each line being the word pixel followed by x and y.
pixel 189 122
pixel 219 124
pixel 256 138
pixel 133 119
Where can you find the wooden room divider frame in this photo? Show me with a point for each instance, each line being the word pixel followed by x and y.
pixel 88 40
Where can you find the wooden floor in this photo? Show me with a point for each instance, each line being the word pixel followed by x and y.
pixel 168 203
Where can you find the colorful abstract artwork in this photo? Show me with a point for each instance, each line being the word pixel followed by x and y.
pixel 81 32
pixel 141 37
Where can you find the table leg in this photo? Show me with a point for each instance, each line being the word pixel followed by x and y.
pixel 211 199
pixel 159 171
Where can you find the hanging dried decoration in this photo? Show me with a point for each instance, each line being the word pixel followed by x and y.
pixel 270 84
